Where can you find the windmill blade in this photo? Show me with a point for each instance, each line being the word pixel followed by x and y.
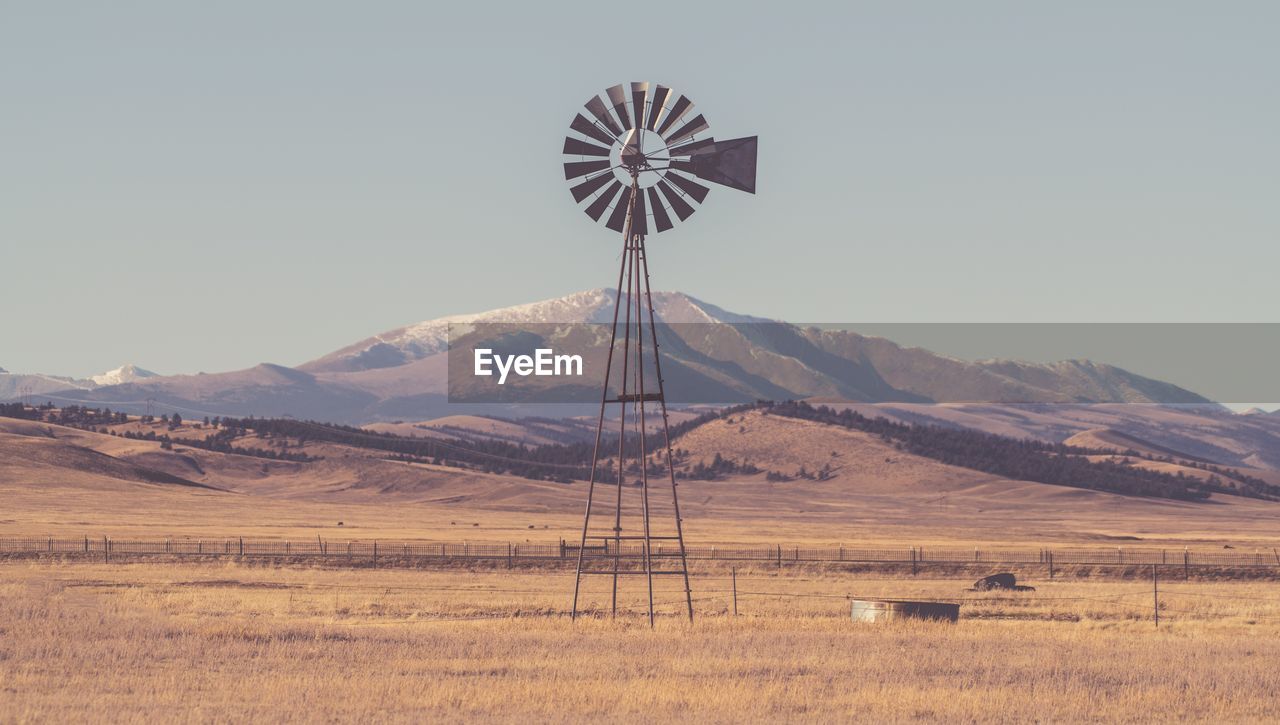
pixel 596 108
pixel 681 107
pixel 697 125
pixel 618 99
pixel 729 163
pixel 660 218
pixel 689 149
pixel 689 186
pixel 619 216
pixel 588 187
pixel 574 147
pixel 575 169
pixel 587 128
pixel 681 207
pixel 638 93
pixel 597 207
pixel 659 99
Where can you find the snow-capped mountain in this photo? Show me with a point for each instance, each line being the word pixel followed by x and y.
pixel 415 342
pixel 16 385
pixel 402 374
pixel 127 373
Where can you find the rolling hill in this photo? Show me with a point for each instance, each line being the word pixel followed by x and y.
pixel 57 480
pixel 1219 436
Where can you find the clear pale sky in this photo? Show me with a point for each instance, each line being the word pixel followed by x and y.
pixel 205 186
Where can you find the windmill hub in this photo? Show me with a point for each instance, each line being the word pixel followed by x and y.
pixel 632 155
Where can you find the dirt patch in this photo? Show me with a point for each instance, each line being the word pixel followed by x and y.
pixel 104 584
pixel 235 584
pixel 1022 616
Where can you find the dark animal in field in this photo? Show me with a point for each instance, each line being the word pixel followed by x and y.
pixel 1004 581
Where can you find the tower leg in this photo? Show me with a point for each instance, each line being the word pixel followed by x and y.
pixel 627 259
pixel 666 431
pixel 595 451
pixel 643 455
pixel 632 390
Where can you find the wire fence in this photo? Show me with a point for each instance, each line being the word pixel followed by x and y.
pixel 366 550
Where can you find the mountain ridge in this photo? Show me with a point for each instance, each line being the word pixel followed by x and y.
pixel 402 373
pixel 14 385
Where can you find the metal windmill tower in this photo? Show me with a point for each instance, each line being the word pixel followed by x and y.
pixel 637 158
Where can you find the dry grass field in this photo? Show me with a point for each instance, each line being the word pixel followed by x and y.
pixel 227 642
pixel 200 640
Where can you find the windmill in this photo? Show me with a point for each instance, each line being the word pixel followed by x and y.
pixel 637 157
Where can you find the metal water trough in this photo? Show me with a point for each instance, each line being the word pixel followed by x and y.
pixel 881 610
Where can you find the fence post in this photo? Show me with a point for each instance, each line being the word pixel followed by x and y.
pixel 50 544
pixel 375 553
pixel 1155 595
pixel 86 544
pixel 779 556
pixel 106 550
pixel 242 546
pixel 508 554
pixel 734 571
pixel 914 568
pixel 1049 553
pixel 841 552
pixel 561 548
pixel 1186 563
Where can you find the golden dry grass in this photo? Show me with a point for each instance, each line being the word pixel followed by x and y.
pixel 222 642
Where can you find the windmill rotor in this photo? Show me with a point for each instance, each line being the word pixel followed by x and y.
pixel 648 142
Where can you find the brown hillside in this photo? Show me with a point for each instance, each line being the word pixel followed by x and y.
pixel 854 458
pixel 35 451
pixel 1108 439
pixel 61 481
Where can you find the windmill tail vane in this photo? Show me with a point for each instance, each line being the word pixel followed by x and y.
pixel 639 154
